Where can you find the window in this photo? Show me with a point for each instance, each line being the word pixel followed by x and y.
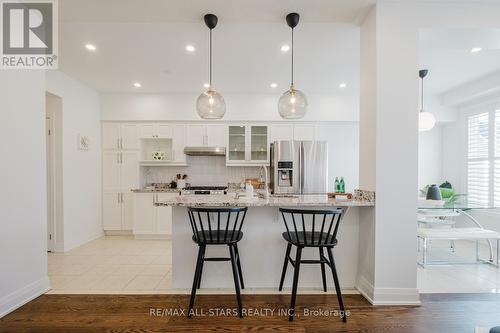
pixel 483 158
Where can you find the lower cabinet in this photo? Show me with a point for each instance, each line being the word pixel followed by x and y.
pixel 151 221
pixel 117 211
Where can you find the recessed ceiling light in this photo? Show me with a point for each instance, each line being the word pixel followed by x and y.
pixel 475 49
pixel 206 85
pixel 190 48
pixel 90 47
pixel 137 85
pixel 274 85
pixel 285 48
pixel 342 85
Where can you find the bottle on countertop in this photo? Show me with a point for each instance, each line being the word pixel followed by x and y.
pixel 337 185
pixel 342 185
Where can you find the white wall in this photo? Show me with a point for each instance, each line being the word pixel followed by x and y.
pixel 81 169
pixel 23 213
pixel 430 157
pixel 238 107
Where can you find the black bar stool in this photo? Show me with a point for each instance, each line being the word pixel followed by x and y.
pixel 311 228
pixel 217 226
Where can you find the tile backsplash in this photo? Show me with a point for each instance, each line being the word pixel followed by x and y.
pixel 201 170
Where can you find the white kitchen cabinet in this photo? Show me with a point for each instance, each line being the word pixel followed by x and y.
pixel 112 211
pixel 212 135
pixel 178 143
pixel 143 213
pixel 118 136
pixel 247 145
pixel 129 171
pixel 195 135
pixel 157 130
pixel 304 132
pixel 151 221
pixel 281 132
pixel 111 179
pixel 127 201
pixel 216 135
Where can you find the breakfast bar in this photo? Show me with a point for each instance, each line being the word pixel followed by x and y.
pixel 262 247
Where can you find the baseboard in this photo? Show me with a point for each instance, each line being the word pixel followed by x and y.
pixel 152 237
pixel 90 239
pixel 22 296
pixel 387 296
pixel 118 233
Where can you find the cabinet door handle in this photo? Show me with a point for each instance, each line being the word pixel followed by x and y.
pixel 121 158
pixel 121 143
pixel 117 143
pixel 118 197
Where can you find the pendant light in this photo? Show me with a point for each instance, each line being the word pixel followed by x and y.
pixel 426 120
pixel 293 102
pixel 210 104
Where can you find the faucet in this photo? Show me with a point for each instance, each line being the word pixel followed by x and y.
pixel 266 187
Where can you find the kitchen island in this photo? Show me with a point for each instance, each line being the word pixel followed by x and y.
pixel 262 248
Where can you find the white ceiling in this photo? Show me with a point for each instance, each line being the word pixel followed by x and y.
pixel 446 53
pixel 145 41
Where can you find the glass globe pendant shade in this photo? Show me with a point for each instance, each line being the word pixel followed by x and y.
pixel 426 121
pixel 292 104
pixel 211 105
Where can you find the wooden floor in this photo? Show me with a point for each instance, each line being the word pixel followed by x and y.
pixel 132 313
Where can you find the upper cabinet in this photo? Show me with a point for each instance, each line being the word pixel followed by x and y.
pixel 213 135
pixel 118 136
pixel 247 145
pixel 281 132
pixel 304 132
pixel 164 131
pixel 286 132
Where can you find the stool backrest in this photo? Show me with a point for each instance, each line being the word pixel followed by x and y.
pixel 312 227
pixel 216 224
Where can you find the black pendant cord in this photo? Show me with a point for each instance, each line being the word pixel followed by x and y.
pixel 291 85
pixel 210 62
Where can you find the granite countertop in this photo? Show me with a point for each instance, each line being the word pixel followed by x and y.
pixel 156 190
pixel 230 200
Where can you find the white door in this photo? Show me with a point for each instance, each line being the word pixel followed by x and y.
pixel 129 136
pixel 110 136
pixel 164 131
pixel 216 135
pixel 143 213
pixel 304 132
pixel 281 132
pixel 111 180
pixel 147 131
pixel 111 211
pixel 129 170
pixel 195 136
pixel 178 143
pixel 127 210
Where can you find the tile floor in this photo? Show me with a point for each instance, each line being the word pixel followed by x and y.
pixel 113 264
pixel 458 278
pixel 123 265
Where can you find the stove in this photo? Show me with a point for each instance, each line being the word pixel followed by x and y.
pixel 204 190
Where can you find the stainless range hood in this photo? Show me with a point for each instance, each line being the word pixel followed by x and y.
pixel 205 151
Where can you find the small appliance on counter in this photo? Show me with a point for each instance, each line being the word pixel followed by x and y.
pixel 299 167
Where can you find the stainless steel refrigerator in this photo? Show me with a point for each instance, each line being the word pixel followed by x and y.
pixel 299 167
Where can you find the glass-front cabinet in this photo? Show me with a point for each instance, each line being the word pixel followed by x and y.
pixel 247 145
